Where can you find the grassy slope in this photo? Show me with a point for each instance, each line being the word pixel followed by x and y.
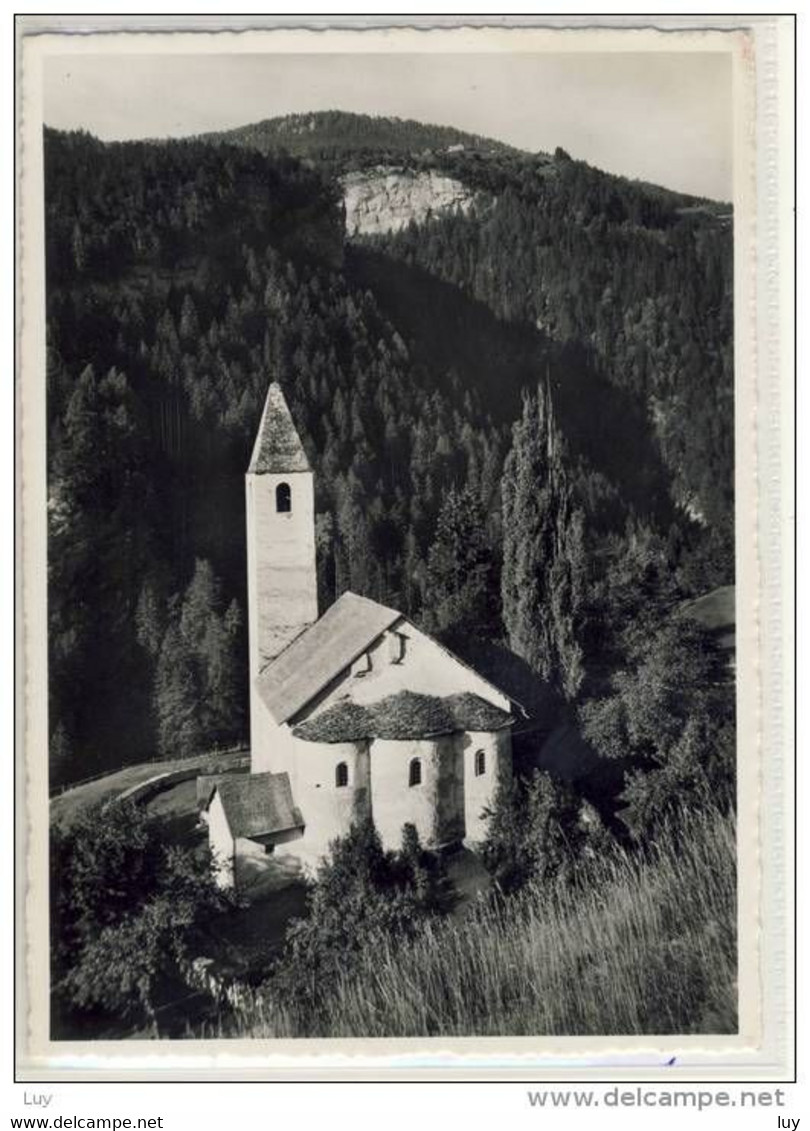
pixel 641 947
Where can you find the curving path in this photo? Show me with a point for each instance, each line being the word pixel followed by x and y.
pixel 140 782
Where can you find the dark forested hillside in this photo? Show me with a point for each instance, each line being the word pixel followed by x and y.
pixel 111 207
pixel 183 276
pixel 642 284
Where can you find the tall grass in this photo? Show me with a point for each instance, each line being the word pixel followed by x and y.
pixel 634 945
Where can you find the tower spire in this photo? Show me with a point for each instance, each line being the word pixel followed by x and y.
pixel 278 446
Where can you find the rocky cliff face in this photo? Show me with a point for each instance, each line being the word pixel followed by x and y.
pixel 387 199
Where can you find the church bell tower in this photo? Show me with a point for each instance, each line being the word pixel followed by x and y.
pixel 280 510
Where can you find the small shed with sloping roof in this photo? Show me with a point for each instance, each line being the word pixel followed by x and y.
pixel 248 816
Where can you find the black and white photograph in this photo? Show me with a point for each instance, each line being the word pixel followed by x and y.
pixel 392 542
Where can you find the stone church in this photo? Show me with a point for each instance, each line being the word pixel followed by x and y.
pixel 354 713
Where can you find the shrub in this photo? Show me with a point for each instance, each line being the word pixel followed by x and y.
pixel 126 909
pixel 361 897
pixel 535 831
pixel 672 710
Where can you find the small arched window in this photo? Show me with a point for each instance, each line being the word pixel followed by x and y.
pixel 341 774
pixel 283 498
pixel 480 763
pixel 415 772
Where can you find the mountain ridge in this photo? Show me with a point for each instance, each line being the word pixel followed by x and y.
pixel 299 134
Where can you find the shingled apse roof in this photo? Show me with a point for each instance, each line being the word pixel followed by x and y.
pixel 304 668
pixel 258 804
pixel 278 448
pixel 401 716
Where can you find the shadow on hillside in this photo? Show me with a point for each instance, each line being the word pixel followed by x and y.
pixel 449 331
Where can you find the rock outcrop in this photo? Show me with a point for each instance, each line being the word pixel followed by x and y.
pixel 386 199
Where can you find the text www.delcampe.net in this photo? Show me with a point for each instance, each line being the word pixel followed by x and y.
pixel 662 1097
pixel 85 1123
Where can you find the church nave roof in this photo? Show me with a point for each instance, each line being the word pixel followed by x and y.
pixel 320 653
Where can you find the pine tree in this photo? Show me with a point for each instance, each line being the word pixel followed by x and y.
pixel 149 620
pixel 78 248
pixel 177 698
pixel 354 557
pixel 189 322
pixel 100 446
pixel 460 565
pixel 413 574
pixel 542 580
pixel 567 579
pixel 223 653
pixel 86 441
pixel 201 603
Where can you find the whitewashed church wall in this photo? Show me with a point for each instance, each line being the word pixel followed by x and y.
pixel 433 806
pixel 479 789
pixel 327 808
